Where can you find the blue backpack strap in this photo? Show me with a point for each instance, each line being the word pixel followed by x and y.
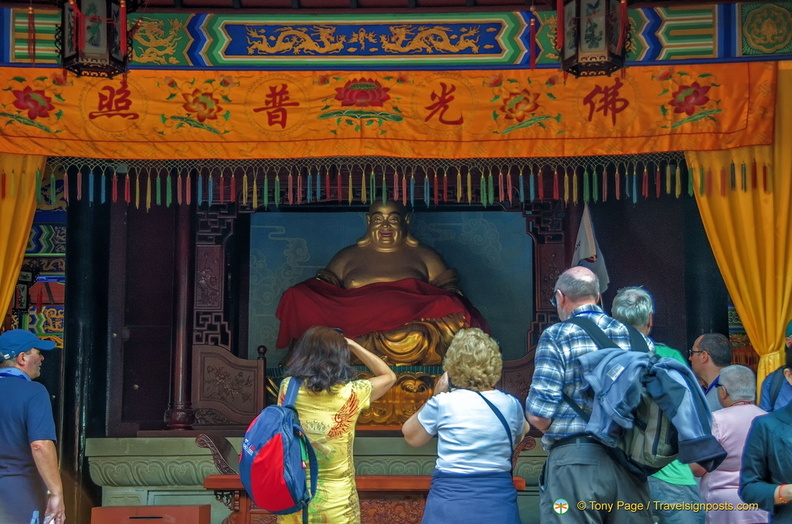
pixel 291 392
pixel 288 401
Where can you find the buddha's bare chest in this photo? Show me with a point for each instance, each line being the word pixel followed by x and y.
pixel 370 267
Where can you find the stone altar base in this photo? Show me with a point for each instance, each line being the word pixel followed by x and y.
pixel 171 470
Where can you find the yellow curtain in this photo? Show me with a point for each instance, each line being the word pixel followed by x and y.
pixel 18 175
pixel 749 227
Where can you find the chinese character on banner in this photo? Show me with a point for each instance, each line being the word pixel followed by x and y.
pixel 441 104
pixel 114 102
pixel 608 101
pixel 276 103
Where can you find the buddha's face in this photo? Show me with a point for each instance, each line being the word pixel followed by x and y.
pixel 387 225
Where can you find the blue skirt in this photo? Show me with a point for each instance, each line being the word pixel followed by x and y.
pixel 471 499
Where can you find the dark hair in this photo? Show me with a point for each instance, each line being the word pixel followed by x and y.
pixel 788 358
pixel 321 359
pixel 718 347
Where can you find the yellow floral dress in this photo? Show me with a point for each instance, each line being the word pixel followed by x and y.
pixel 328 419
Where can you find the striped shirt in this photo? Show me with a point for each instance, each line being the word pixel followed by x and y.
pixel 556 369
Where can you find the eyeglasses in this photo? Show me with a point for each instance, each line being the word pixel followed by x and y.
pixel 694 351
pixel 553 301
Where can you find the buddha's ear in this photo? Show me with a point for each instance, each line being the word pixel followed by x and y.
pixel 407 218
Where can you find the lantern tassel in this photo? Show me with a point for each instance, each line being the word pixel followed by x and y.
pixel 560 27
pixel 31 34
pixel 624 24
pixel 122 28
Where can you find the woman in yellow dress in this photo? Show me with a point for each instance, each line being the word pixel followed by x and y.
pixel 329 402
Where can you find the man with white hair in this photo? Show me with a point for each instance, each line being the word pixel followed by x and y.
pixel 730 426
pixel 674 483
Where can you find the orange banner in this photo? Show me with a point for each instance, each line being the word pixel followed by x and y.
pixel 419 114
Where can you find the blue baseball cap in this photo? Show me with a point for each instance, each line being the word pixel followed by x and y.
pixel 16 341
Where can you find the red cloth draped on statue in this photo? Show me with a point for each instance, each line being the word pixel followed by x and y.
pixel 376 307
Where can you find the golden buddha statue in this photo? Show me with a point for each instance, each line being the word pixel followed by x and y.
pixel 387 291
pixel 387 253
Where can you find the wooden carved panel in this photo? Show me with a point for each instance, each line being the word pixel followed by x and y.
pixel 211 328
pixel 214 227
pixel 209 267
pixel 226 390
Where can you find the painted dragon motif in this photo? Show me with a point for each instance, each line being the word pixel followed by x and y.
pixel 316 40
pixel 403 39
pixel 152 44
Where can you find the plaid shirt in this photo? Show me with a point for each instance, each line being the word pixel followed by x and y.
pixel 556 370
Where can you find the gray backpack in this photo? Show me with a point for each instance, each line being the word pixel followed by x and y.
pixel 652 442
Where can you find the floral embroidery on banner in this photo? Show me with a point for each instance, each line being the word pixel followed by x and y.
pixel 33 101
pixel 202 104
pixel 691 98
pixel 519 103
pixel 356 97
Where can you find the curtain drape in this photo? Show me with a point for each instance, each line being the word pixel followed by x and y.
pixel 18 176
pixel 749 229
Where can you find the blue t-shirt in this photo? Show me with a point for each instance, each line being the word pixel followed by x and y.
pixel 470 438
pixel 25 416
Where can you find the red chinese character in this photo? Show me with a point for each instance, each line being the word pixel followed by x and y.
pixel 276 102
pixel 609 101
pixel 441 103
pixel 114 102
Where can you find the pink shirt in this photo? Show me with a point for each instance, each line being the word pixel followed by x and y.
pixel 730 427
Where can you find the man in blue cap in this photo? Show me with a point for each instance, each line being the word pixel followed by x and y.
pixel 776 391
pixel 28 458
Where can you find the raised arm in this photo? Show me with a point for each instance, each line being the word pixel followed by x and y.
pixel 384 378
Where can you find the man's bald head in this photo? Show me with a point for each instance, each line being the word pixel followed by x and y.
pixel 577 286
pixel 578 283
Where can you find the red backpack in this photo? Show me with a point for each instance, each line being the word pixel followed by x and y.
pixel 275 457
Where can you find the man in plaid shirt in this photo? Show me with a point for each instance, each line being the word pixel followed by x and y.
pixel 579 470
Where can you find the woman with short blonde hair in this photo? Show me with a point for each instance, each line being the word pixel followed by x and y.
pixel 477 427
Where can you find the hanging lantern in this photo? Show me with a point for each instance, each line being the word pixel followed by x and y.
pixel 592 36
pixel 93 36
